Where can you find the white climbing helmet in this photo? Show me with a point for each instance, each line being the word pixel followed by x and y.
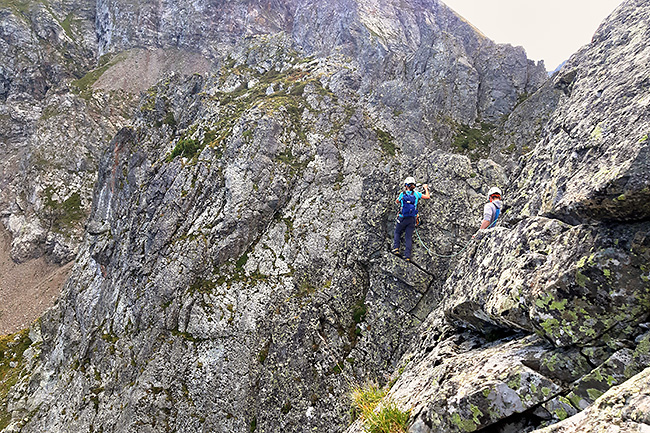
pixel 409 180
pixel 494 190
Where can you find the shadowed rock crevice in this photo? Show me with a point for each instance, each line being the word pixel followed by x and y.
pixel 523 422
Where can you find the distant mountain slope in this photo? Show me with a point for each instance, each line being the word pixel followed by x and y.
pixel 58 110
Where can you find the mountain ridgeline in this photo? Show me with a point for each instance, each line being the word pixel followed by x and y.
pixel 223 175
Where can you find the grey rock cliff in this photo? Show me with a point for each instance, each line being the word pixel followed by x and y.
pixel 564 281
pixel 60 104
pixel 234 273
pixel 50 138
pixel 596 140
pixel 418 59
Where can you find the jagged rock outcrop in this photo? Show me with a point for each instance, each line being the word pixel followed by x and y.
pixel 60 104
pixel 596 141
pixel 50 138
pixel 406 57
pixel 624 407
pixel 264 259
pixel 565 278
pixel 234 274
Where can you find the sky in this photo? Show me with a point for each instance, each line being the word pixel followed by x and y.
pixel 551 30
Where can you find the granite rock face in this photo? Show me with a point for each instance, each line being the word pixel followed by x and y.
pixel 264 258
pixel 544 314
pixel 597 139
pixel 234 274
pixel 51 133
pixel 623 408
pixel 57 116
pixel 417 65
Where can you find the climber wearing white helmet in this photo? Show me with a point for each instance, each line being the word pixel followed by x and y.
pixel 492 209
pixel 407 216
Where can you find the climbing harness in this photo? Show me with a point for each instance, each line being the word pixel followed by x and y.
pixel 446 256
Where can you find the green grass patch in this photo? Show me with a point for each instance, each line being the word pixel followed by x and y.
pixel 12 348
pixel 306 289
pixel 298 89
pixel 63 215
pixel 170 120
pixel 83 86
pixel 295 165
pixel 379 415
pixel 50 111
pixel 286 98
pixel 186 148
pixel 66 24
pixel 202 286
pixel 386 142
pixel 473 142
pixel 359 312
pixel 365 399
pixel 264 353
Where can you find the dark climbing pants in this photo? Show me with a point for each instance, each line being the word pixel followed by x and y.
pixel 406 226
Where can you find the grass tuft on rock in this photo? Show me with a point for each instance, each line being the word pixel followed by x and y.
pixel 379 415
pixel 83 86
pixel 473 142
pixel 386 142
pixel 365 399
pixel 12 348
pixel 186 148
pixel 64 215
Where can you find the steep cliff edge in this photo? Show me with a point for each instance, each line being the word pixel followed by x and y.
pixel 50 137
pixel 564 280
pixel 60 104
pixel 234 274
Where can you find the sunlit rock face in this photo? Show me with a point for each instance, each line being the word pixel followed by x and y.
pixel 234 273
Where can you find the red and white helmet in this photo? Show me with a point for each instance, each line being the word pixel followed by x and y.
pixel 494 190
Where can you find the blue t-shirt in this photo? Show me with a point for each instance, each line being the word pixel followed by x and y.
pixel 418 196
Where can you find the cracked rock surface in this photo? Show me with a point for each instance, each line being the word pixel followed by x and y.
pixel 234 273
pixel 542 315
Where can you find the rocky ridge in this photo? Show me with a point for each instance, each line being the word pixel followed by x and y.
pixel 64 100
pixel 60 104
pixel 239 229
pixel 565 279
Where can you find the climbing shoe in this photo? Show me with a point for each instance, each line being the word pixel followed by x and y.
pixel 408 259
pixel 395 251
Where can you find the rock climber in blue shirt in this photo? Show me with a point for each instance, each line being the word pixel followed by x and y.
pixel 407 216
